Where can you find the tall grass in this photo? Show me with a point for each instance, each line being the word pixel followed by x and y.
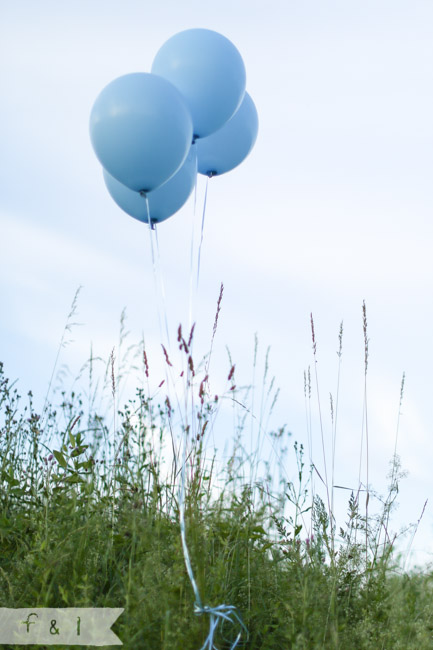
pixel 90 517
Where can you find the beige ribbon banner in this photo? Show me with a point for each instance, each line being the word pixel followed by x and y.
pixel 64 625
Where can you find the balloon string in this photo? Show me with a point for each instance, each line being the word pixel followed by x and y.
pixel 202 229
pixel 182 529
pixel 161 277
pixel 157 276
pixel 196 174
pixel 219 613
pixel 191 268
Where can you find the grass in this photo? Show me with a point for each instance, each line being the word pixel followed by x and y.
pixel 90 517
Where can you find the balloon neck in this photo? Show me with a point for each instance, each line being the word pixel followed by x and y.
pixel 153 222
pixel 195 137
pixel 212 173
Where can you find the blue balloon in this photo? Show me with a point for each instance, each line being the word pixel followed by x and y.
pixel 164 201
pixel 227 148
pixel 209 71
pixel 141 130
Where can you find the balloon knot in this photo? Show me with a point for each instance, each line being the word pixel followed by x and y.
pixel 212 173
pixel 143 193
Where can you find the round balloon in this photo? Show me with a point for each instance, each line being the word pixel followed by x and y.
pixel 209 72
pixel 228 147
pixel 164 201
pixel 141 130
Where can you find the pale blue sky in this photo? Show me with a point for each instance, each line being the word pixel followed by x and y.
pixel 332 207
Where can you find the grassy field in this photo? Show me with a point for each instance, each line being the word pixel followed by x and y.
pixel 90 517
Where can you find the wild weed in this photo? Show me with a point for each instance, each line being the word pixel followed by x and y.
pixel 90 514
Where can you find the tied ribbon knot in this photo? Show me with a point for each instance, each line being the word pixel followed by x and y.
pixel 218 614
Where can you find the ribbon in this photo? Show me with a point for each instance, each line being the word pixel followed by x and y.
pixel 216 614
